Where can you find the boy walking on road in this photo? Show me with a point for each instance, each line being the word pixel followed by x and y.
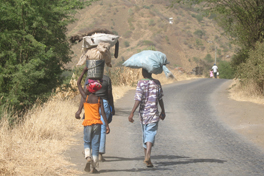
pixel 148 95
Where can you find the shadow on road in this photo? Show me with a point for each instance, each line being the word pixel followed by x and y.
pixel 189 161
pixel 182 160
pixel 122 111
pixel 134 170
pixel 114 158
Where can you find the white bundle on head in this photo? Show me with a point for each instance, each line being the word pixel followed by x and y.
pixel 103 43
pixel 95 39
pixel 101 52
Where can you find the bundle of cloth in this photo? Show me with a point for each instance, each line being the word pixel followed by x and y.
pixel 93 85
pixel 97 47
pixel 153 61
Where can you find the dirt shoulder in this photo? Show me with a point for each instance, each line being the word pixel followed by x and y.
pixel 245 118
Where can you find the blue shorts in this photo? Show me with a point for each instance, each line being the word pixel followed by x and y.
pixel 149 132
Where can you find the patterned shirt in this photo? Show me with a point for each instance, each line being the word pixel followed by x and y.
pixel 148 92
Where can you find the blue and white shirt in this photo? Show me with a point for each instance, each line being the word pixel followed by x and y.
pixel 148 92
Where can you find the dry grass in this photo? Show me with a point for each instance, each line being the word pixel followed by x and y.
pixel 36 146
pixel 124 76
pixel 249 93
pixel 129 77
pixel 120 91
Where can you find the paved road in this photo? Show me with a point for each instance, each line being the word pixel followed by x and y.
pixel 190 141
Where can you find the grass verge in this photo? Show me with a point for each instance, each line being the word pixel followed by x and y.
pixel 248 92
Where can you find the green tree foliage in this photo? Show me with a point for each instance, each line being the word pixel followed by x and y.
pixel 199 33
pixel 225 70
pixel 239 58
pixel 198 17
pixel 34 48
pixel 208 58
pixel 253 68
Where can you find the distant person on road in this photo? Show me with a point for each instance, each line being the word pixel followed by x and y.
pixel 215 70
pixel 148 95
pixel 107 97
pixel 92 123
pixel 211 73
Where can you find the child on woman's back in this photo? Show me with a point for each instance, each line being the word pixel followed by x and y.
pixel 92 122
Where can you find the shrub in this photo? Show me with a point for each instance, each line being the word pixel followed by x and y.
pixel 199 33
pixel 146 42
pixel 146 7
pixel 199 43
pixel 196 59
pixel 219 52
pixel 127 34
pixel 130 20
pixel 151 22
pixel 130 12
pixel 212 16
pixel 126 43
pixel 198 17
pixel 209 58
pixel 190 46
pixel 253 68
pixel 225 69
pixel 115 32
pixel 167 39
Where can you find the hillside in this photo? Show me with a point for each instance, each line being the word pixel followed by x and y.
pixel 145 25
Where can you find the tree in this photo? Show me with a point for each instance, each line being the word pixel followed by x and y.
pixel 199 33
pixel 34 48
pixel 253 68
pixel 225 70
pixel 209 58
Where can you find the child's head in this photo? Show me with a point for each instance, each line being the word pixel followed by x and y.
pixel 146 74
pixel 93 85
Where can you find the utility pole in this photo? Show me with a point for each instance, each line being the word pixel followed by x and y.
pixel 215 53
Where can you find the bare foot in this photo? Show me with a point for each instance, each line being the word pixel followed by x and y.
pixel 101 158
pixel 94 171
pixel 148 163
pixel 87 166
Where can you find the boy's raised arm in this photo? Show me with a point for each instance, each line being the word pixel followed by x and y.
pixel 79 83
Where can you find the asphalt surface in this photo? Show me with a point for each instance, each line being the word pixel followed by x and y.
pixel 190 141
